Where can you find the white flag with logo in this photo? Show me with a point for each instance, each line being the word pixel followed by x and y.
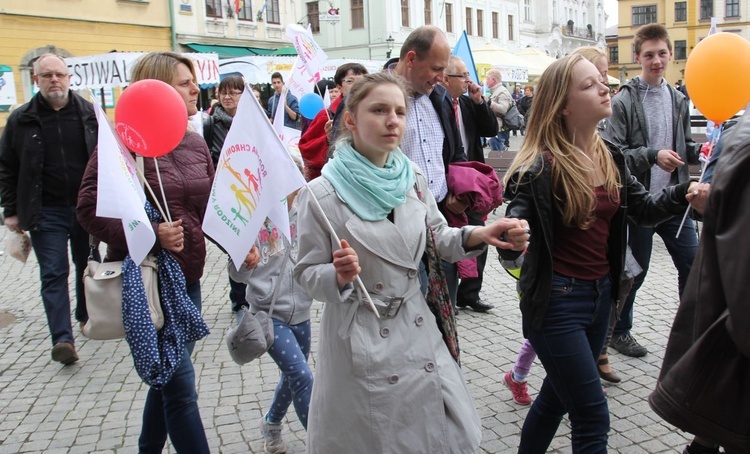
pixel 311 54
pixel 288 136
pixel 254 175
pixel 119 192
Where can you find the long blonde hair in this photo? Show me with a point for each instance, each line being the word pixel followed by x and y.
pixel 571 167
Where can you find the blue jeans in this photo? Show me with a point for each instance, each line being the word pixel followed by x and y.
pixel 290 349
pixel 174 409
pixel 568 345
pixel 497 143
pixel 682 250
pixel 59 225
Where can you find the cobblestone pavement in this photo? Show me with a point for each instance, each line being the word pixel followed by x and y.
pixel 95 405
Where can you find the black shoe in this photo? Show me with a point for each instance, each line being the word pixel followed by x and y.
pixel 477 306
pixel 628 346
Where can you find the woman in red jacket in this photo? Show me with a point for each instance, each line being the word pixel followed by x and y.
pixel 315 142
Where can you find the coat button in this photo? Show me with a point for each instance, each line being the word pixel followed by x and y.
pixel 429 367
pixel 419 320
pixel 412 273
pixel 393 379
pixel 379 286
pixel 385 331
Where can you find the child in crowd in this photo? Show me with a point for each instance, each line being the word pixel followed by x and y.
pixel 271 283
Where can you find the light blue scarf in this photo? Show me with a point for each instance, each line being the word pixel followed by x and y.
pixel 371 192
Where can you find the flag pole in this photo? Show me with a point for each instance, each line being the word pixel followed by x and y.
pixel 338 241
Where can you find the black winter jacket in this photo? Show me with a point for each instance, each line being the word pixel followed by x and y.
pixel 22 159
pixel 215 129
pixel 703 384
pixel 531 198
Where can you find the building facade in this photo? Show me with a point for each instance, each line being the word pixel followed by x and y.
pixel 29 29
pixel 687 22
pixel 560 26
pixel 234 28
pixel 374 30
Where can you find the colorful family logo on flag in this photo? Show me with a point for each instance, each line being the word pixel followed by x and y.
pixel 254 175
pixel 245 185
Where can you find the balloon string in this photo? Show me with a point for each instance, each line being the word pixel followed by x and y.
pixel 163 195
pixel 715 136
pixel 151 191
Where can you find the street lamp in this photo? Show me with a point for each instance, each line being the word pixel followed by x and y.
pixel 389 42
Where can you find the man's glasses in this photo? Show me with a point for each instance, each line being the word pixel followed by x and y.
pixel 232 94
pixel 48 76
pixel 465 76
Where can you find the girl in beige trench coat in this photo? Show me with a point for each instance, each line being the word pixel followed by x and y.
pixel 388 384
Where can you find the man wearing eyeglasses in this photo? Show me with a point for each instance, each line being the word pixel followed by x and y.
pixel 475 120
pixel 43 153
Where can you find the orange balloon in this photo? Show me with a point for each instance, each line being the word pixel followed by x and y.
pixel 716 75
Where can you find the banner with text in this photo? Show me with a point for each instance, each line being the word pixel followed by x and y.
pixel 113 69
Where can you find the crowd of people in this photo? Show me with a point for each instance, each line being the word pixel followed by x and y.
pixel 594 179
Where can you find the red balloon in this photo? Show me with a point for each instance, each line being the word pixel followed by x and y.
pixel 151 118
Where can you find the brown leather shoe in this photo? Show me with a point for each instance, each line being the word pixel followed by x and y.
pixel 65 353
pixel 607 376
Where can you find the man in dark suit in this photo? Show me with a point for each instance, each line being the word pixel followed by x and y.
pixel 475 120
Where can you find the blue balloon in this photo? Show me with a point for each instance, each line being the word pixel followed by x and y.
pixel 310 104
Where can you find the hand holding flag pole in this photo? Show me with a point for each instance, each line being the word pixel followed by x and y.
pixel 705 157
pixel 338 241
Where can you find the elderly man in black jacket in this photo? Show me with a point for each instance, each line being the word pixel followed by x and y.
pixel 43 154
pixel 475 120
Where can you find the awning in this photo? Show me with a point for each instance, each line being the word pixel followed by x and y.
pixel 288 51
pixel 229 51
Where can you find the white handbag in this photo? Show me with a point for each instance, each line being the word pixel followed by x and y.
pixel 102 283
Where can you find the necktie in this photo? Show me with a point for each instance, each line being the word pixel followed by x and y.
pixel 455 110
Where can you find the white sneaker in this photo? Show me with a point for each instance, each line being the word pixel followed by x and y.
pixel 274 444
